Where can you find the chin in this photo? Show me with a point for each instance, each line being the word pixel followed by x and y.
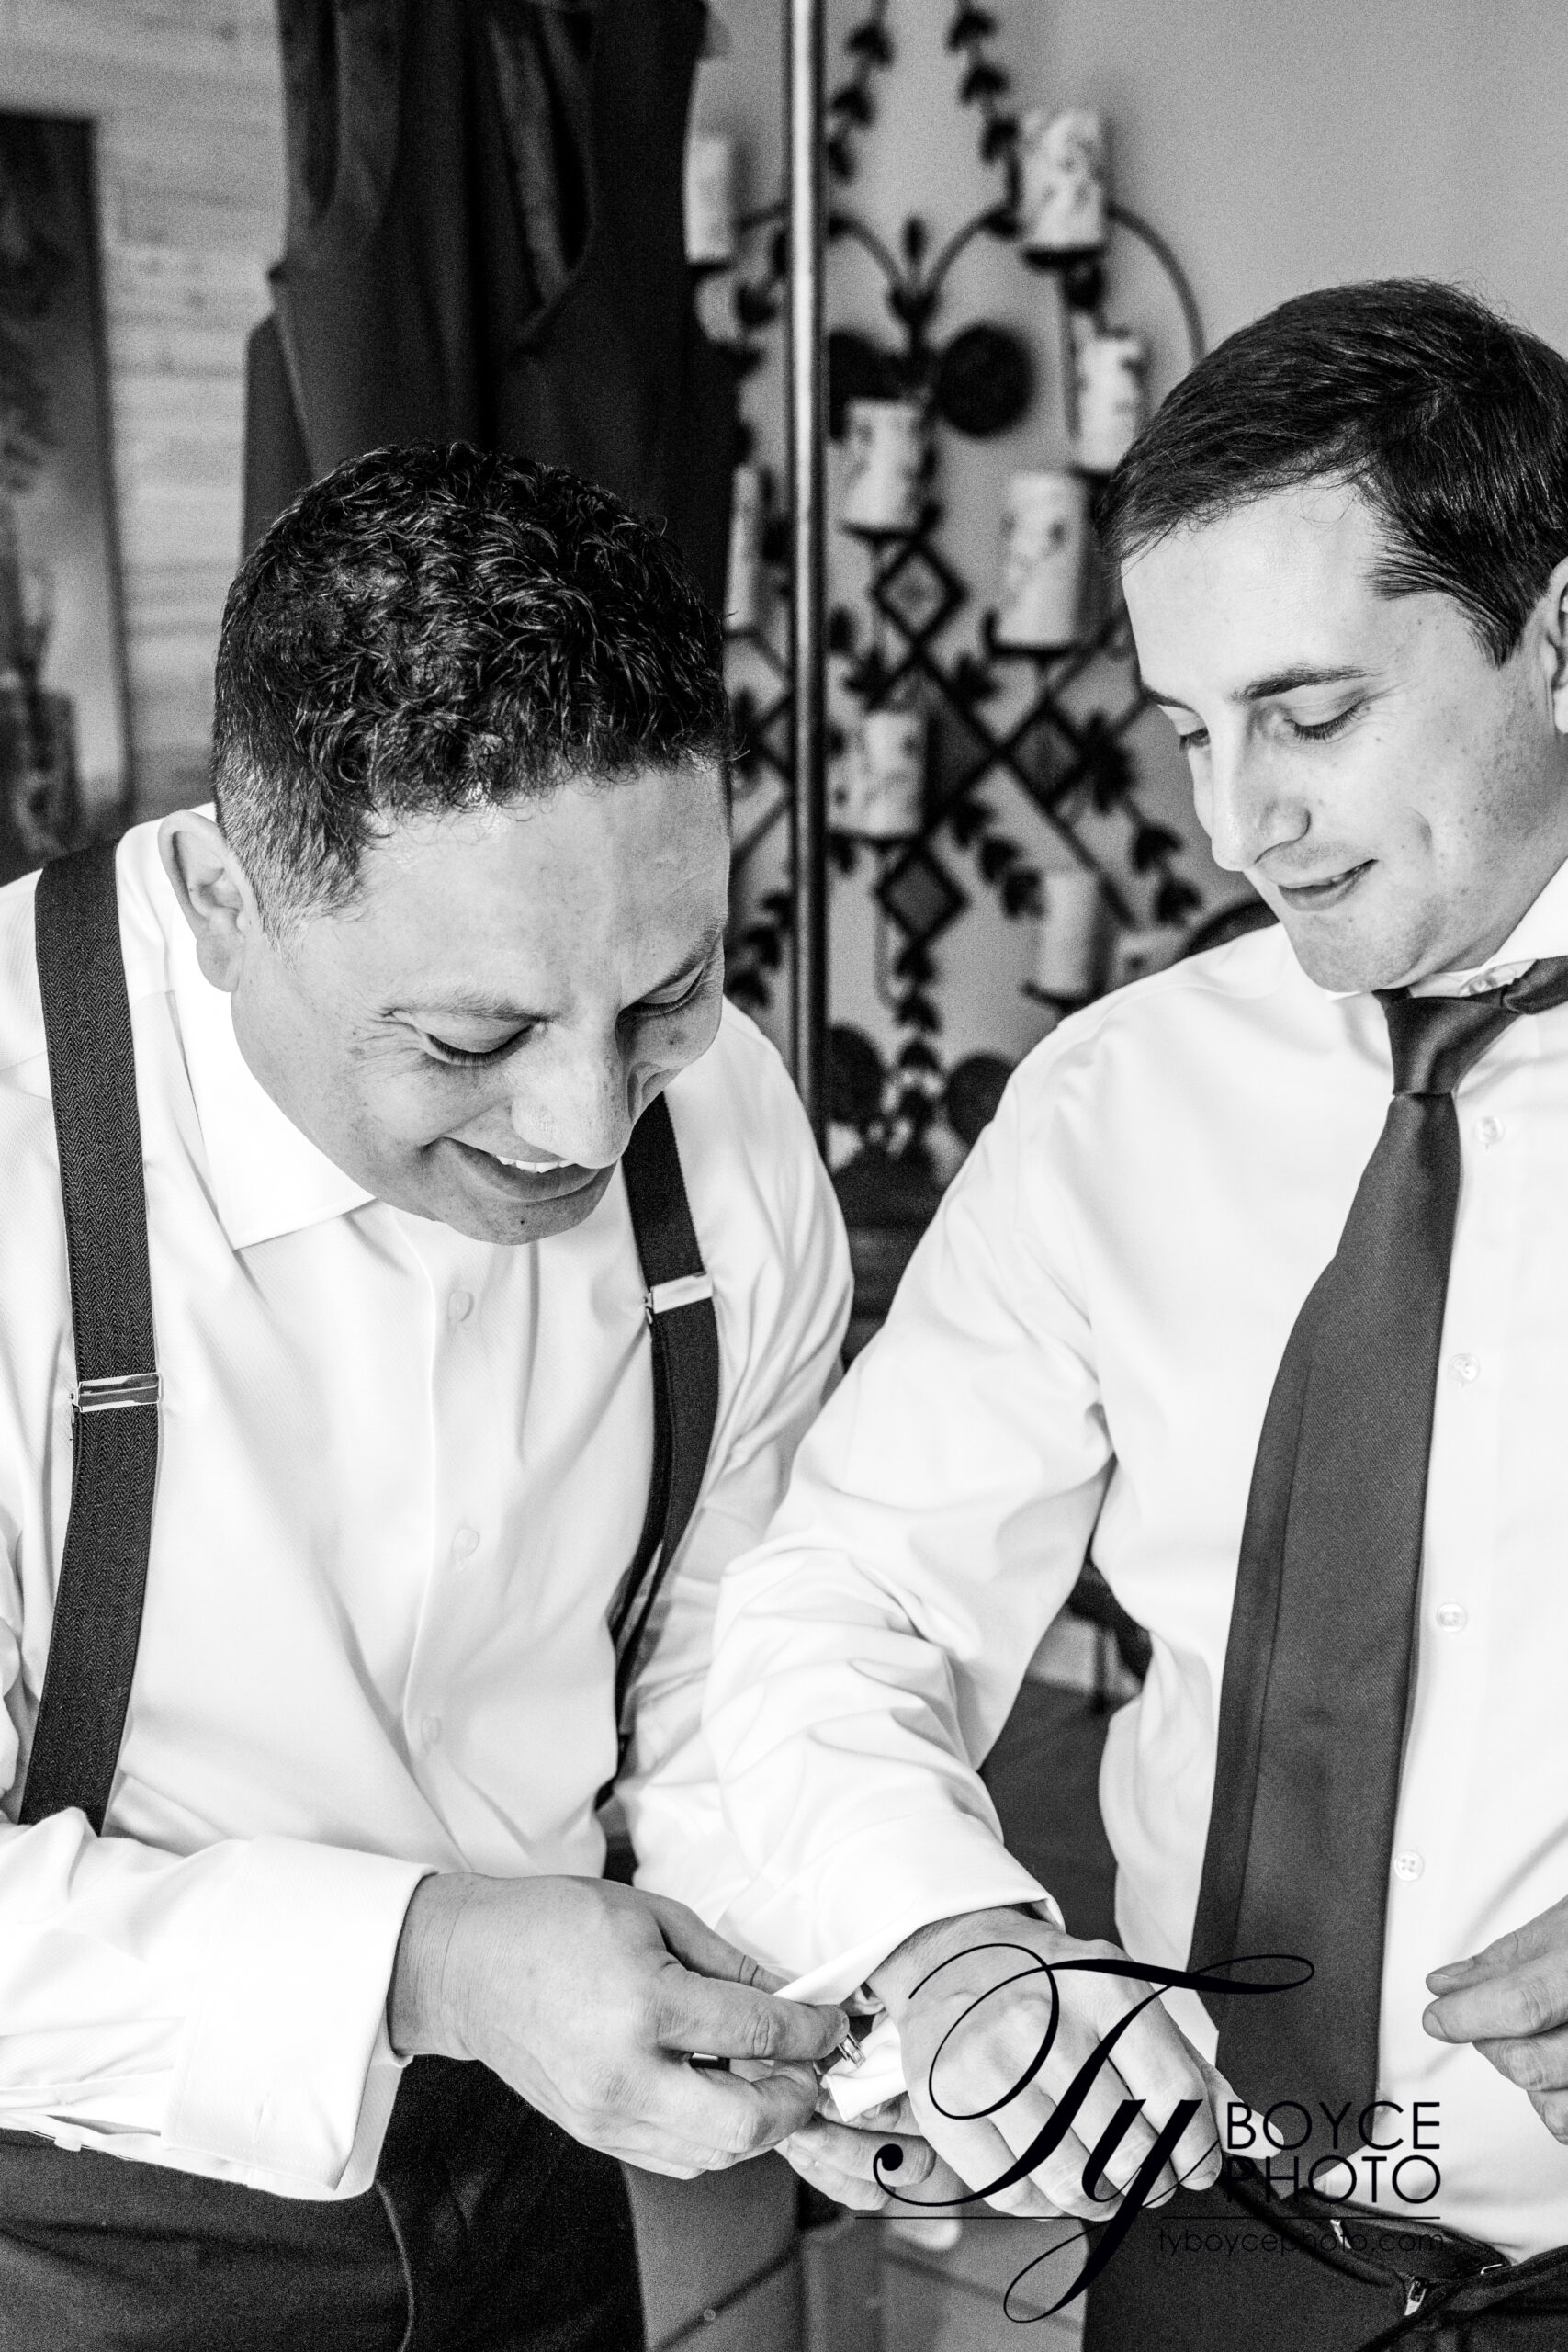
pixel 1350 964
pixel 511 1227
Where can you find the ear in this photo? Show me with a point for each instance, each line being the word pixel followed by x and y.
pixel 1553 611
pixel 215 896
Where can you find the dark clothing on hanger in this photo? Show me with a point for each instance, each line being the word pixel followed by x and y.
pixel 486 244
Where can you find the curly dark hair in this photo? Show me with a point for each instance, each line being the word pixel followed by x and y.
pixel 1449 421
pixel 428 629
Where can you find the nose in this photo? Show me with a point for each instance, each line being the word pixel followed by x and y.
pixel 1244 805
pixel 580 1105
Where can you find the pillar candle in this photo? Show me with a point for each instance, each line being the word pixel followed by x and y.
pixel 710 199
pixel 1063 184
pixel 882 793
pixel 1045 575
pixel 1068 957
pixel 885 471
pixel 1111 387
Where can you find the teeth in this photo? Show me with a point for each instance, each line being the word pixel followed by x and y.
pixel 529 1167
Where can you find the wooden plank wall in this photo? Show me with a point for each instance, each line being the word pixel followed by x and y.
pixel 186 99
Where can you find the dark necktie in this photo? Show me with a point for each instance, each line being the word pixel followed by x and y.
pixel 1319 1664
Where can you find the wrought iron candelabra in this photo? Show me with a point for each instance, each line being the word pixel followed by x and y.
pixel 1068 764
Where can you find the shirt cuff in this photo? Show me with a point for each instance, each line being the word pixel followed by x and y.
pixel 870 1893
pixel 284 2067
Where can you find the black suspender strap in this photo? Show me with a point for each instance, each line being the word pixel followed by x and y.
pixel 685 1332
pixel 103 1574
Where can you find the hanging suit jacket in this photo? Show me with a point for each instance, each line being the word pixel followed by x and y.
pixel 485 243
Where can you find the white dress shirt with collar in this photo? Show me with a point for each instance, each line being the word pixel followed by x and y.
pixel 401 1474
pixel 1084 1345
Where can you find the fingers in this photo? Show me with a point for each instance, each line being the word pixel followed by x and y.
pixel 1539 2067
pixel 721 2120
pixel 737 2020
pixel 978 2154
pixel 1087 2123
pixel 1532 1999
pixel 1205 2170
pixel 1543 1937
pixel 696 1945
pixel 1119 2099
pixel 845 2163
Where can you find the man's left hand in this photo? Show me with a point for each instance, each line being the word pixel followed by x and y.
pixel 1511 2001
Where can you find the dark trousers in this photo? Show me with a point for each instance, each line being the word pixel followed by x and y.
pixel 487 2229
pixel 1201 2274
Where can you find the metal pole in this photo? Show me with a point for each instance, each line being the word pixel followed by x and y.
pixel 807 407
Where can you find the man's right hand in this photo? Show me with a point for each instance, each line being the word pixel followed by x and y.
pixel 971 1999
pixel 587 1998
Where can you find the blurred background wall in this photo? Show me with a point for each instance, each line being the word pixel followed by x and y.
pixel 186 98
pixel 1277 148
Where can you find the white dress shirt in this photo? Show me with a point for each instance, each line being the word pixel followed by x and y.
pixel 1084 1344
pixel 401 1474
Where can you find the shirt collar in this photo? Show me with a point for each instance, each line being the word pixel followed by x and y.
pixel 1541 930
pixel 268 1178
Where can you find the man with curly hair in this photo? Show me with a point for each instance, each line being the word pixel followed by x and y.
pixel 325 2029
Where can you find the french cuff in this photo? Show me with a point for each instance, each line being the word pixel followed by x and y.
pixel 284 2066
pixel 869 1893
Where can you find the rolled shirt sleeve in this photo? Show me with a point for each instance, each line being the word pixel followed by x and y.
pixel 868 1652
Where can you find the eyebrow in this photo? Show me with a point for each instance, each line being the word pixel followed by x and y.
pixel 473 1005
pixel 1280 682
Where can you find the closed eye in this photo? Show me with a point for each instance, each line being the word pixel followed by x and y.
pixel 1325 732
pixel 449 1053
pixel 658 1004
pixel 464 1056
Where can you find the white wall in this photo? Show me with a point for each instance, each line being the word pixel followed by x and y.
pixel 186 100
pixel 1277 147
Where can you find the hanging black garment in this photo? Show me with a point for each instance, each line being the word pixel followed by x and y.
pixel 486 244
pixel 489 2228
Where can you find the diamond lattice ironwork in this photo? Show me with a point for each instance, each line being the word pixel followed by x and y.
pixel 919 895
pixel 918 592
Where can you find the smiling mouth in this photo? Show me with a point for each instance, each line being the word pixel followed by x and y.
pixel 1329 892
pixel 529 1180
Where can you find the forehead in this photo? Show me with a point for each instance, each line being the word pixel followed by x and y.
pixel 1281 581
pixel 587 879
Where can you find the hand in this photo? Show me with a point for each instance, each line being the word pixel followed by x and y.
pixel 587 1998
pixel 841 2160
pixel 1511 2001
pixel 973 2019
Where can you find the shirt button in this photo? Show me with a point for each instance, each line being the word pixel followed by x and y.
pixel 1408 1866
pixel 1452 1618
pixel 430 1732
pixel 466 1543
pixel 460 1305
pixel 1489 1129
pixel 1464 1368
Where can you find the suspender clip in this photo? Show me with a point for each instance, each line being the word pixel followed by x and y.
pixel 117 1393
pixel 686 1290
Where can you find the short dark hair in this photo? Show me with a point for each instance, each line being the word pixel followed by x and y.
pixel 430 630
pixel 1449 421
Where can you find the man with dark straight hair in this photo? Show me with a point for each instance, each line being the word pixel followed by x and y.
pixel 443 1277
pixel 1260 1278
